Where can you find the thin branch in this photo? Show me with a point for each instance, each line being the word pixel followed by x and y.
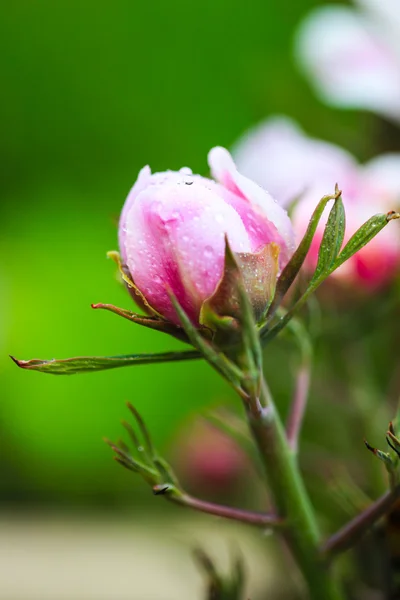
pixel 235 514
pixel 297 411
pixel 346 537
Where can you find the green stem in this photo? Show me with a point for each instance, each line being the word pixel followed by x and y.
pixel 290 496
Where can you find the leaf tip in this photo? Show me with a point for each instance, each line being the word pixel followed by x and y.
pixel 98 305
pixel 338 192
pixel 369 447
pixel 392 216
pixel 19 363
pixel 109 443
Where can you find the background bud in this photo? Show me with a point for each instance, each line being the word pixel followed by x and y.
pixel 207 458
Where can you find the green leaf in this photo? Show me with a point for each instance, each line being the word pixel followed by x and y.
pixel 385 457
pixel 291 270
pixel 145 459
pixel 86 364
pixel 331 242
pixel 364 235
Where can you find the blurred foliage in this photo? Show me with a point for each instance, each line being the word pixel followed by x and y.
pixel 92 91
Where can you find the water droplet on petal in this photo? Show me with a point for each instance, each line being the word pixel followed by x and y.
pixel 186 171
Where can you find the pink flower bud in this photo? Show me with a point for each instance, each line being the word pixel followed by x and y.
pixel 206 458
pixel 173 226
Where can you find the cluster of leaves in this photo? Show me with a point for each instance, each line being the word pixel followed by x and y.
pixel 144 459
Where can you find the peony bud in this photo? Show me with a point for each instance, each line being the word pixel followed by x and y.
pixel 278 147
pixel 173 226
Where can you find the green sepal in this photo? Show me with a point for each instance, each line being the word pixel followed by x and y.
pixel 257 272
pixel 87 364
pixel 126 278
pixel 151 322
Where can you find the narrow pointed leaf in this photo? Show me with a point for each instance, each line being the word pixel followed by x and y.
pixel 148 444
pixel 132 434
pixel 364 235
pixel 87 364
pixel 383 456
pixel 332 240
pixel 291 270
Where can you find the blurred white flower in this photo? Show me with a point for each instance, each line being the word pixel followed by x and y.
pixel 353 55
pixel 292 166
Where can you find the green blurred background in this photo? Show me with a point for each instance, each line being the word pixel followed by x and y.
pixel 91 92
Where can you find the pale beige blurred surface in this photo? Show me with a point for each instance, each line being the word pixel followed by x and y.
pixel 92 558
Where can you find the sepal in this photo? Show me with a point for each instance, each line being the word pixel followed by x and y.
pixel 139 298
pixel 146 321
pixel 256 272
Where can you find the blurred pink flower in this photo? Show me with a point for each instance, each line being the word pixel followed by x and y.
pixel 353 55
pixel 172 228
pixel 205 457
pixel 292 166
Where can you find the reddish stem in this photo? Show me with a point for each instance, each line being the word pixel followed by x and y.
pixel 298 407
pixel 235 514
pixel 346 537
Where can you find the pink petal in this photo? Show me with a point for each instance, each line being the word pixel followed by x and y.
pixel 382 175
pixel 225 172
pixel 175 237
pixel 385 13
pixel 279 157
pixel 141 182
